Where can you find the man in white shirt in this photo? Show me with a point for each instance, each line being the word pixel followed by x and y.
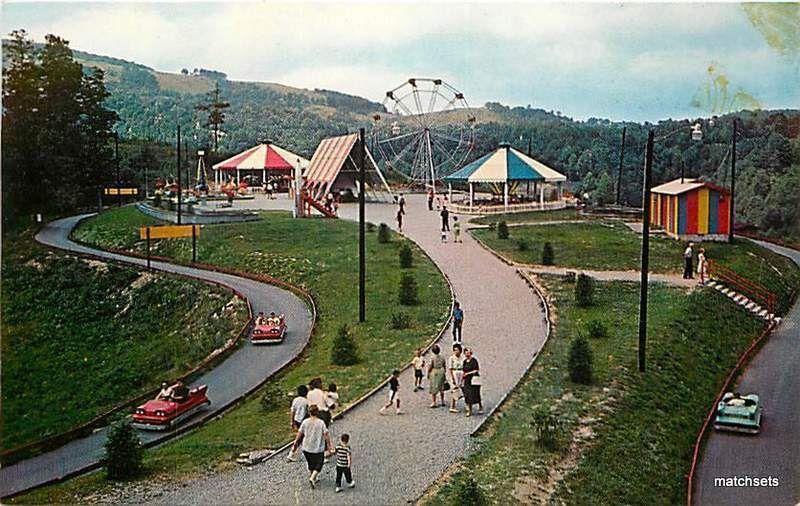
pixel 317 397
pixel 687 262
pixel 454 366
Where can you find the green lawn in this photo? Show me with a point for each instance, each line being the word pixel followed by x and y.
pixel 320 255
pixel 529 217
pixel 613 246
pixel 636 437
pixel 80 337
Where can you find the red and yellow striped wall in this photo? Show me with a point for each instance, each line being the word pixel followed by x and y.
pixel 696 212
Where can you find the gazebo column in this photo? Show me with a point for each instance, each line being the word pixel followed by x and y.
pixel 263 176
pixel 560 191
pixel 541 196
pixel 505 195
pixel 238 176
pixel 471 195
pixel 450 192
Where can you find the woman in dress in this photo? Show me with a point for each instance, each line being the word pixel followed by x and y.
pixel 436 376
pixel 470 380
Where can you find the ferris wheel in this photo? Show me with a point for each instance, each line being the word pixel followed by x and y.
pixel 428 131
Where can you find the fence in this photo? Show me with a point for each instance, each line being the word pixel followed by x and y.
pixel 751 289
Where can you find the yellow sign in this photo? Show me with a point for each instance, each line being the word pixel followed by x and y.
pixel 169 231
pixel 122 191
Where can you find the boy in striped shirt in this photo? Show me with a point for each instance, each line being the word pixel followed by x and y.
pixel 344 459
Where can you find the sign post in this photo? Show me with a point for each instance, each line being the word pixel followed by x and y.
pixel 148 248
pixel 170 232
pixel 194 243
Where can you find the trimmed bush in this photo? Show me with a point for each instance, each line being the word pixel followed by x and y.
pixel 502 230
pixel 596 329
pixel 584 290
pixel 401 320
pixel 344 351
pixel 547 254
pixel 549 429
pixel 408 290
pixel 124 452
pixel 580 361
pixel 383 233
pixel 273 397
pixel 468 493
pixel 523 245
pixel 406 256
pixel 370 227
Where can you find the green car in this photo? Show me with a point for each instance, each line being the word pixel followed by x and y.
pixel 739 413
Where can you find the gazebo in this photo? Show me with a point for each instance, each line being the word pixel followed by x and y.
pixel 508 167
pixel 266 159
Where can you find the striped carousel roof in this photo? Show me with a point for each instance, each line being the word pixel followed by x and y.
pixel 506 164
pixel 263 156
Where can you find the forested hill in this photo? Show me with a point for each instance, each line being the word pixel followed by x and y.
pixel 149 102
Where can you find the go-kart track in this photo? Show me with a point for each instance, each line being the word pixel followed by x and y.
pixel 774 375
pixel 244 369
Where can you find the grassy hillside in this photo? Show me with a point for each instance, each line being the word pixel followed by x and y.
pixel 81 336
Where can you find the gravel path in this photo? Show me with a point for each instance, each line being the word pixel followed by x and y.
pixel 397 457
pixel 635 276
pixel 775 376
pixel 244 369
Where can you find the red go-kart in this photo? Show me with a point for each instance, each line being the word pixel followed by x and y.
pixel 164 414
pixel 271 329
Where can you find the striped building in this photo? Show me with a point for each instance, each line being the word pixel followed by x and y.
pixel 691 210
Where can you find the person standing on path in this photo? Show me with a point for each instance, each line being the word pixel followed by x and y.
pixel 418 363
pixel 401 202
pixel 445 214
pixel 316 397
pixel 687 262
pixel 344 461
pixel 399 219
pixel 458 321
pixel 702 266
pixel 455 365
pixel 394 394
pixel 436 375
pixel 315 440
pixel 471 382
pixel 456 230
pixel 430 200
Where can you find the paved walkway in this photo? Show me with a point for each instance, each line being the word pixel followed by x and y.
pixel 397 457
pixel 774 374
pixel 240 372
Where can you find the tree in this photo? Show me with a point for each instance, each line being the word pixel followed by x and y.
pixel 408 290
pixel 214 107
pixel 584 290
pixel 124 452
pixel 502 230
pixel 580 361
pixel 344 351
pixel 406 256
pixel 547 254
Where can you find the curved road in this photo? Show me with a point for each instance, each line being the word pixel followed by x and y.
pixel 395 457
pixel 244 369
pixel 774 373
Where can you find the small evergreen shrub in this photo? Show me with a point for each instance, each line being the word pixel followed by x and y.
pixel 124 452
pixel 370 227
pixel 406 256
pixel 580 361
pixel 345 351
pixel 549 429
pixel 383 233
pixel 408 290
pixel 502 230
pixel 273 397
pixel 468 493
pixel 547 254
pixel 584 290
pixel 523 245
pixel 401 320
pixel 596 329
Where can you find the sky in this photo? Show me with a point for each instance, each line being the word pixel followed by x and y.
pixel 639 62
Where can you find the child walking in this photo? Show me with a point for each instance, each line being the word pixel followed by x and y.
pixel 456 230
pixel 394 397
pixel 418 363
pixel 344 460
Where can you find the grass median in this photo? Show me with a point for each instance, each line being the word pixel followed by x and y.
pixel 627 436
pixel 80 336
pixel 613 246
pixel 320 256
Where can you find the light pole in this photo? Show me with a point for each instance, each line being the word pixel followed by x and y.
pixel 362 261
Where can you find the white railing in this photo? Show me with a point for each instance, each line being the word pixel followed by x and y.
pixel 511 208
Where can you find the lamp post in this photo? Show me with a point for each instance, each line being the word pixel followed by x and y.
pixel 697 134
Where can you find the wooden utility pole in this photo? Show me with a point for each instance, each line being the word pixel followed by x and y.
pixel 648 165
pixel 621 158
pixel 362 251
pixel 178 160
pixel 731 220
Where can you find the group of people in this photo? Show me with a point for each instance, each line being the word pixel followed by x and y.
pixel 311 416
pixel 444 213
pixel 178 392
pixel 272 319
pixel 702 263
